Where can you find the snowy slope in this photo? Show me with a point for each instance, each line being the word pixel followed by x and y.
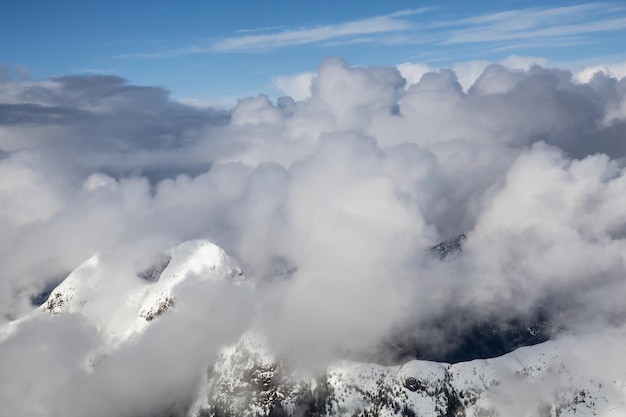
pixel 247 380
pixel 119 315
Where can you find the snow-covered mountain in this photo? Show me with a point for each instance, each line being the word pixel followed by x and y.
pixel 249 379
pixel 121 316
pixel 145 301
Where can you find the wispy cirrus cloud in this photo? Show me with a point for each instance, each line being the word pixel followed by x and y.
pixel 255 39
pixel 376 25
pixel 504 30
pixel 539 22
pixel 170 53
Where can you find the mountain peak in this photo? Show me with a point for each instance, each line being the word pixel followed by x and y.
pixel 86 290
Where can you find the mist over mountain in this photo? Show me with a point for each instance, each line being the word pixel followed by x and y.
pixel 376 220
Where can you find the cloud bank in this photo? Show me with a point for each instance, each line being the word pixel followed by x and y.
pixel 329 204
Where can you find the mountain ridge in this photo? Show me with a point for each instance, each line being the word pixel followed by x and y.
pixel 250 379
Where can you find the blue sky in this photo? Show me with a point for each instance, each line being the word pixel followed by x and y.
pixel 215 50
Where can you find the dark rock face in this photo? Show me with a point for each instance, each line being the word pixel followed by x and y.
pixel 42 296
pixel 56 303
pixel 464 334
pixel 153 273
pixel 413 384
pixel 276 395
pixel 483 339
pixel 163 306
pixel 449 247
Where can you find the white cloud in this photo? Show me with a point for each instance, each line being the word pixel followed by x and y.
pixel 297 86
pixel 616 70
pixel 523 62
pixel 375 25
pixel 541 22
pixel 349 188
pixel 333 34
pixel 509 30
pixel 468 72
pixel 413 72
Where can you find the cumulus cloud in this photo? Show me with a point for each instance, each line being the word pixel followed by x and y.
pixel 616 70
pixel 469 71
pixel 330 203
pixel 297 87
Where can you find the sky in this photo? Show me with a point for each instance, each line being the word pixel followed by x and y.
pixel 404 125
pixel 216 52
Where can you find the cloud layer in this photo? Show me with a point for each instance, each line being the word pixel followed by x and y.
pixel 329 203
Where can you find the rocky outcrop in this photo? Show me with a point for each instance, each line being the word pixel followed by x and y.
pixel 247 380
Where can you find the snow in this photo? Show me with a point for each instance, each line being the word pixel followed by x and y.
pixel 476 388
pixel 77 290
pixel 121 305
pixel 191 260
pixel 249 379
